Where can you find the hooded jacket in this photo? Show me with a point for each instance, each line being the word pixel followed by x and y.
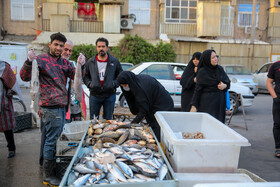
pixel 146 95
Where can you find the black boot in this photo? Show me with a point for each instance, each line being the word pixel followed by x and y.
pixel 49 177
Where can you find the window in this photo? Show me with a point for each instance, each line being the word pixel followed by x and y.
pixel 265 68
pixel 245 15
pixel 178 71
pixel 180 11
pixel 158 71
pixel 141 9
pixel 22 10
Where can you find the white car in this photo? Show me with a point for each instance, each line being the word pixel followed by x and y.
pixel 261 76
pixel 241 75
pixel 165 73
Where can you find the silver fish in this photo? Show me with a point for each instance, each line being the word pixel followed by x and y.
pixel 112 179
pixel 162 172
pixel 72 177
pixel 34 92
pixel 82 180
pixel 143 177
pixel 116 172
pixel 116 150
pixel 146 169
pixel 125 168
pixel 136 180
pixel 81 168
pixel 123 137
pixel 90 164
pixel 78 90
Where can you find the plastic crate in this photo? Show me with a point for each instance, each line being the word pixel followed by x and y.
pixel 66 148
pixel 23 121
pixel 217 153
pixel 61 165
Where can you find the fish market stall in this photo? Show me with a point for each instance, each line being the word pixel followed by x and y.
pixel 116 153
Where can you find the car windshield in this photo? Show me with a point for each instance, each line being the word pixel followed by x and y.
pixel 125 67
pixel 237 70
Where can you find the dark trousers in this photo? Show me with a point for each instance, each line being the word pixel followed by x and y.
pixel 151 120
pixel 10 140
pixel 276 122
pixel 108 103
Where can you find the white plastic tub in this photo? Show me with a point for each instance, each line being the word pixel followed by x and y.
pixel 75 130
pixel 256 184
pixel 190 179
pixel 218 152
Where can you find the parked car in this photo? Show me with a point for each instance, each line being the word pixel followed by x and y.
pixel 261 76
pixel 126 66
pixel 241 75
pixel 165 73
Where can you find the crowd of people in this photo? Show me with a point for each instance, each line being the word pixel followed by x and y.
pixel 204 83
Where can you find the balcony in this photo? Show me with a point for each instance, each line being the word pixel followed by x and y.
pixel 79 26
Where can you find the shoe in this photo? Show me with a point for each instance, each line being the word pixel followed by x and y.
pixel 11 154
pixel 49 177
pixel 277 153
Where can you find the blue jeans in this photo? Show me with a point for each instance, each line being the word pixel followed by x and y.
pixel 53 121
pixel 108 104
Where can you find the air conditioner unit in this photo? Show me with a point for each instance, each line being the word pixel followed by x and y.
pixel 277 3
pixel 248 29
pixel 127 23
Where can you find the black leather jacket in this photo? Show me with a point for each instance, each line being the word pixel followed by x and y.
pixel 92 80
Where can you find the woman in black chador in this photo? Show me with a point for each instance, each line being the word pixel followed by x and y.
pixel 188 81
pixel 211 85
pixel 145 96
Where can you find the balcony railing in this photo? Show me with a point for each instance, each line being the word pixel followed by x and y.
pixel 178 29
pixel 79 26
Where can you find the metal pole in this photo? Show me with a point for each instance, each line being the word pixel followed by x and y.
pixel 253 22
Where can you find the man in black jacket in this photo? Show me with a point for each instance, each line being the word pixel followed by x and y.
pixel 100 76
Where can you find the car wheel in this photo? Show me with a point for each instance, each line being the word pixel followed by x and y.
pixel 233 102
pixel 123 102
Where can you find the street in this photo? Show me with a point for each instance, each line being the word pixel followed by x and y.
pixel 24 169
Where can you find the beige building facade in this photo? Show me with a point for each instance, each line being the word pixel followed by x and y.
pixel 191 25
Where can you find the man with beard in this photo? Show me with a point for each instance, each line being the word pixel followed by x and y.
pixel 53 74
pixel 100 76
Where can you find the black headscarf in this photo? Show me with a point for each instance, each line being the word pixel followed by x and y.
pixel 189 71
pixel 209 75
pixel 136 89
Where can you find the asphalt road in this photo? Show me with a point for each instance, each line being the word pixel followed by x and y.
pixel 24 169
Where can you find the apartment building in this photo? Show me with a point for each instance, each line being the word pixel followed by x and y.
pixel 193 25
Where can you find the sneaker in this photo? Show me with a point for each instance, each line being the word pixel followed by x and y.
pixel 11 154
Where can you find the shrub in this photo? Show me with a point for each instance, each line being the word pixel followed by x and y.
pixel 133 49
pixel 88 50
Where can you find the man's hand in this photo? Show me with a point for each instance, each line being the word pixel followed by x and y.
pixel 31 55
pixel 81 59
pixel 222 86
pixel 193 109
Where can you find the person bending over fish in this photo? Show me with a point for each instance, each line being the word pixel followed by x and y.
pixel 53 74
pixel 145 96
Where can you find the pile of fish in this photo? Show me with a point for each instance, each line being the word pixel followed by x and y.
pixel 117 152
pixel 197 135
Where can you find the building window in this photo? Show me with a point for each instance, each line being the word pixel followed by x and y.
pixel 245 15
pixel 22 10
pixel 141 9
pixel 180 11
